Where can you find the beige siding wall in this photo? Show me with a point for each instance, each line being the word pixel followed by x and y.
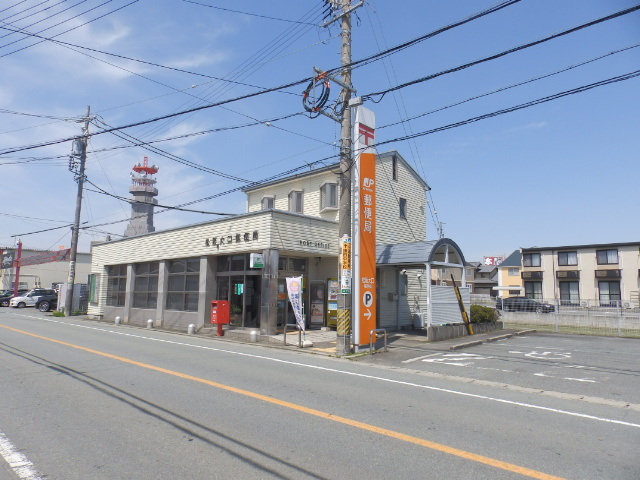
pixel 390 228
pixel 310 185
pixel 300 234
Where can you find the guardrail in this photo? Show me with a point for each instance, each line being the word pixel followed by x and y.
pixel 299 333
pixel 386 349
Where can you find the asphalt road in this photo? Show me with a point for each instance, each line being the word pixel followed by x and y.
pixel 88 400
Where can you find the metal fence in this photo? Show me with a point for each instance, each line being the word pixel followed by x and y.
pixel 586 317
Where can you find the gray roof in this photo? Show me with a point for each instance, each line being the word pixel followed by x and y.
pixel 335 167
pixel 486 268
pixel 416 252
pixel 513 260
pixel 569 247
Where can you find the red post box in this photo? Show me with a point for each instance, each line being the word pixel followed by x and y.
pixel 220 314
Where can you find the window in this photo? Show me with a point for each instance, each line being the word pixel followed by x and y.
pixel 567 258
pixel 569 293
pixel 237 262
pixel 268 202
pixel 531 259
pixel 533 290
pixel 295 201
pixel 328 196
pixel 116 285
pixel 145 285
pixel 404 284
pixel 297 264
pixel 292 264
pixel 403 208
pixel 514 272
pixel 184 284
pixel 394 167
pixel 607 257
pixel 609 293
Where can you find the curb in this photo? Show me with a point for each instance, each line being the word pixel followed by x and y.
pixel 490 339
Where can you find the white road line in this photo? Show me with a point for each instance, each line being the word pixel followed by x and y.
pixel 17 461
pixel 362 375
pixel 419 358
pixel 579 380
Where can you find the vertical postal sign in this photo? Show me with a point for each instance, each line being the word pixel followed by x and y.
pixel 364 298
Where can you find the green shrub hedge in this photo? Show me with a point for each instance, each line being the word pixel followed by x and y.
pixel 480 314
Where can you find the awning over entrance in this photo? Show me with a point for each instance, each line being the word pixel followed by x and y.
pixel 433 299
pixel 443 252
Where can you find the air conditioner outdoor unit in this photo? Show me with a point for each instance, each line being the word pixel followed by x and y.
pixel 584 304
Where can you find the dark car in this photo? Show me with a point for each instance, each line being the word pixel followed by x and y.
pixel 523 304
pixel 7 295
pixel 47 304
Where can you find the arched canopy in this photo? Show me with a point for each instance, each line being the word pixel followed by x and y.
pixel 440 253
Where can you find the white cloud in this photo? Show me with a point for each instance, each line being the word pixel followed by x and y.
pixel 529 126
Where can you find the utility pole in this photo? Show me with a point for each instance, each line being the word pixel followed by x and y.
pixel 16 284
pixel 345 301
pixel 82 144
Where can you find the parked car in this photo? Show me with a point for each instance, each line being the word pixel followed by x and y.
pixel 523 304
pixel 7 295
pixel 47 304
pixel 33 297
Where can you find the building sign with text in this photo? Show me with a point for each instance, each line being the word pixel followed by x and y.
pixel 365 271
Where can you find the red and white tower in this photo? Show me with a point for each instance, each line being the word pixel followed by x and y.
pixel 143 190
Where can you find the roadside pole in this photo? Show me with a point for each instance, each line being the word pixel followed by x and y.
pixel 345 300
pixel 68 304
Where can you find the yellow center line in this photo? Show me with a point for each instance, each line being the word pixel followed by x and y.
pixel 318 413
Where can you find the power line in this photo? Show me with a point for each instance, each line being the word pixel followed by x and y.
pixel 250 14
pixel 513 85
pixel 506 52
pixel 71 29
pixel 402 46
pixel 124 57
pixel 166 207
pixel 156 119
pixel 584 88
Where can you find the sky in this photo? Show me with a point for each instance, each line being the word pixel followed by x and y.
pixel 559 172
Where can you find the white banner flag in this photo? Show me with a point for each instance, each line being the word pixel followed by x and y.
pixel 294 289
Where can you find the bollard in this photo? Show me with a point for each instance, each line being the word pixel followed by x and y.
pixel 191 329
pixel 149 323
pixel 253 336
pixel 117 320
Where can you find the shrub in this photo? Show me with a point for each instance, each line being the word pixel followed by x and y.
pixel 58 314
pixel 480 314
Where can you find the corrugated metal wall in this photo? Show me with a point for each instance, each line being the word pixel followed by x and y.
pixel 444 304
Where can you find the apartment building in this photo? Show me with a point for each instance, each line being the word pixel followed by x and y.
pixel 587 275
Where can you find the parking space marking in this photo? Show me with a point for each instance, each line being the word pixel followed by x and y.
pixel 419 358
pixel 457 359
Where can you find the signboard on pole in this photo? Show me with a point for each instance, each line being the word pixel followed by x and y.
pixel 8 259
pixel 346 275
pixel 365 226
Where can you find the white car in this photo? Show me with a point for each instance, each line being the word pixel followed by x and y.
pixel 33 297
